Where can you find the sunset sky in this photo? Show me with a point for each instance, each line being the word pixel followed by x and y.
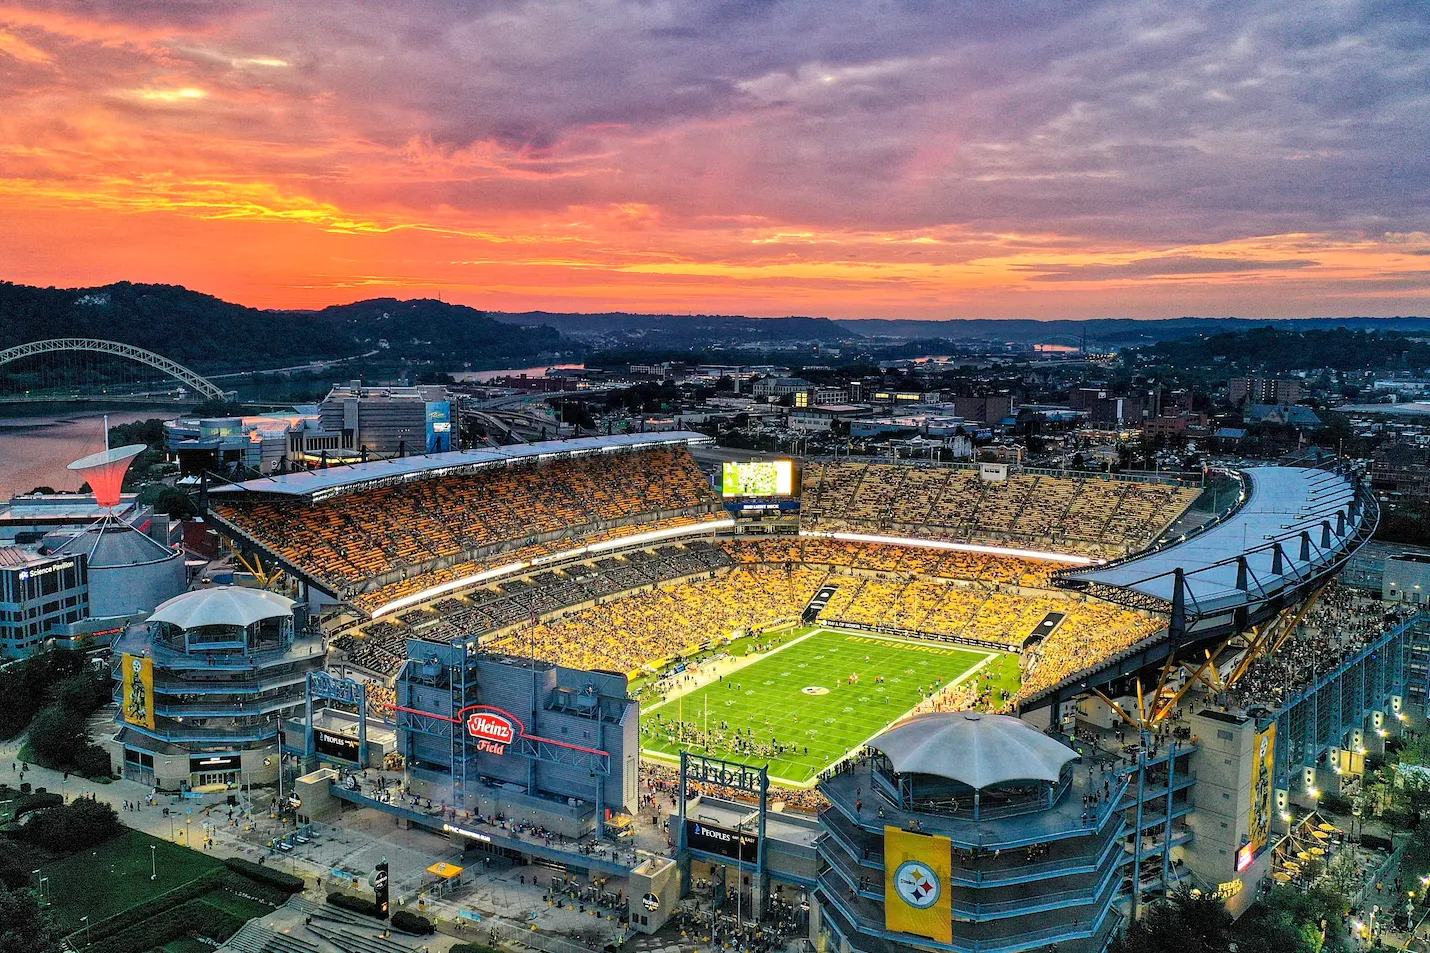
pixel 926 159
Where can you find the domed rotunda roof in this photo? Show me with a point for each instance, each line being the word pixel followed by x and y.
pixel 974 749
pixel 222 605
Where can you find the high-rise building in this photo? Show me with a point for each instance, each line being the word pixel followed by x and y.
pixel 389 420
pixel 1264 390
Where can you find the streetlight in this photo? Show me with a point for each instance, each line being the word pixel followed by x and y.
pixel 85 921
pixel 153 864
pixel 45 890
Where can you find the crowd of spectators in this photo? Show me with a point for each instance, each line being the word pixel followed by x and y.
pixel 662 784
pixel 1090 516
pixel 380 646
pixel 356 536
pixel 879 557
pixel 646 628
pixel 1091 632
pixel 1338 625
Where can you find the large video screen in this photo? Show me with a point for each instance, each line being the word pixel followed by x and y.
pixel 758 478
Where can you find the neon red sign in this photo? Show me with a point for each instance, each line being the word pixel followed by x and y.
pixel 490 727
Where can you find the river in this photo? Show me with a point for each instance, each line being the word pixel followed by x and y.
pixel 34 450
pixel 484 376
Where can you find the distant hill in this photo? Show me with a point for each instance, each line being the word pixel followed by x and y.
pixel 657 331
pixel 195 329
pixel 1119 332
pixel 213 335
pixel 209 334
pixel 424 329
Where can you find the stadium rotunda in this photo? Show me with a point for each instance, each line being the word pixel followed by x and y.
pixel 203 686
pixel 968 832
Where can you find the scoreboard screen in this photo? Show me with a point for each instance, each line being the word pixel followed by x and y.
pixel 758 478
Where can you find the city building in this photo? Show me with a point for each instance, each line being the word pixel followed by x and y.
pixel 203 686
pixel 929 425
pixel 780 386
pixel 25 520
pixel 389 420
pixel 263 443
pixel 1287 415
pixel 986 409
pixel 820 395
pixel 1401 473
pixel 1406 578
pixel 37 595
pixel 825 417
pixel 1263 390
pixel 129 571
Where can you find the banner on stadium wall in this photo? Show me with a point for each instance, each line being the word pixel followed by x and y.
pixel 917 895
pixel 138 690
pixel 1259 825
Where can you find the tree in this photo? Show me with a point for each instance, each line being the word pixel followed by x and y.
pixel 86 692
pixel 1179 923
pixel 14 868
pixel 24 927
pixel 1296 921
pixel 75 826
pixel 175 503
pixel 58 734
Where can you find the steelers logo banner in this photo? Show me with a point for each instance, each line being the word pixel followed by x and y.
pixel 917 899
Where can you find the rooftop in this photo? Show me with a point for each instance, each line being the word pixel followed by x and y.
pixel 1281 503
pixel 321 483
pixel 977 750
pixel 222 605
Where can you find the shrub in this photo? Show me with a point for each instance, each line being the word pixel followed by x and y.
pixel 411 923
pixel 135 915
pixel 355 904
pixel 194 918
pixel 266 875
pixel 473 948
pixel 237 883
pixel 34 802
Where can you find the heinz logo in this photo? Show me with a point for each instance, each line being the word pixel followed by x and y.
pixel 485 725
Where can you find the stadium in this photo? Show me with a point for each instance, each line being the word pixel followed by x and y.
pixel 562 634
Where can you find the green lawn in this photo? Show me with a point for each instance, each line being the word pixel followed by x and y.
pixel 186 946
pixel 240 907
pixel 769 698
pixel 114 876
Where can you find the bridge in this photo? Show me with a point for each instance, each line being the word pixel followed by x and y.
pixel 86 369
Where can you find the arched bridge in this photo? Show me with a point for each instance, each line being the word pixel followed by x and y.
pixel 204 387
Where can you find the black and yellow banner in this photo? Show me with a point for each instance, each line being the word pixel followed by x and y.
pixel 1262 771
pixel 138 702
pixel 917 898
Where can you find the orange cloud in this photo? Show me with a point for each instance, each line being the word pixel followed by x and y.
pixel 304 156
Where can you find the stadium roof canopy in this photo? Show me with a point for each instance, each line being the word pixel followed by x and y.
pixel 319 484
pixel 1295 523
pixel 976 750
pixel 222 605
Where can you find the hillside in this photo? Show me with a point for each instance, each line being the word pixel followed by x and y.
pixel 209 334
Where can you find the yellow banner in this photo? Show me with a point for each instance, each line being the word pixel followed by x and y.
pixel 138 699
pixel 1262 771
pixel 917 894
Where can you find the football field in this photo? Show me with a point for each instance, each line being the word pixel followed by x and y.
pixel 800 696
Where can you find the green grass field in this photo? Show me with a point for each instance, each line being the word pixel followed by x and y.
pixel 114 876
pixel 799 695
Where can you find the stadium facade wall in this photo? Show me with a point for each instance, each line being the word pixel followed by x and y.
pixel 576 751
